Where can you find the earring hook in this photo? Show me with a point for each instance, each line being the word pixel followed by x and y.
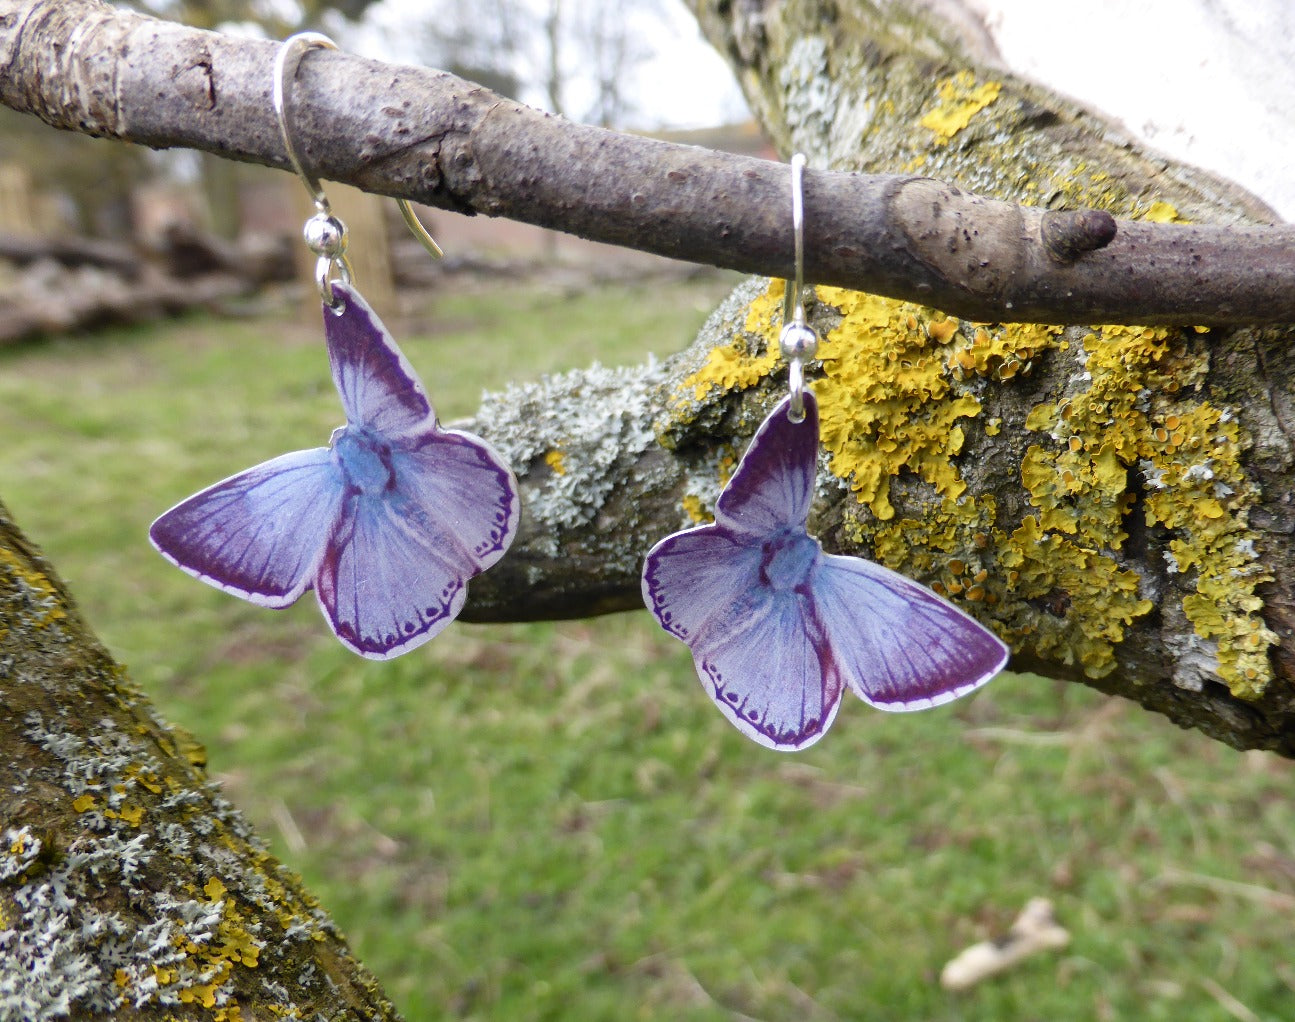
pixel 417 229
pixel 325 234
pixel 798 341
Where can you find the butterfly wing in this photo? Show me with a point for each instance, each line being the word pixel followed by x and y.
pixel 378 386
pixel 259 534
pixel 899 645
pixel 760 653
pixel 759 648
pixel 773 486
pixel 396 573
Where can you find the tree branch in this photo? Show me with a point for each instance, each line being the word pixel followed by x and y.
pixel 430 137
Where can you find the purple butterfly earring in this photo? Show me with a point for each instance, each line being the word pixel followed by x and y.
pixel 389 522
pixel 777 627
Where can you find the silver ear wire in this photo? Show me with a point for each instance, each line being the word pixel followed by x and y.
pixel 324 233
pixel 797 341
pixel 417 229
pixel 291 50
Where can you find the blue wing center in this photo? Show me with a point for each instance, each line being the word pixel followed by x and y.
pixel 365 460
pixel 787 560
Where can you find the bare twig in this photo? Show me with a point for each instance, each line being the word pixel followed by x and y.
pixel 1278 901
pixel 1227 1002
pixel 1035 930
pixel 428 136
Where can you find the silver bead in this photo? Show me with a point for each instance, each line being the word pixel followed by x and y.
pixel 798 342
pixel 325 235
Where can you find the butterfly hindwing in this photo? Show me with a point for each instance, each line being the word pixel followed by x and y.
pixel 379 388
pixel 259 534
pixel 771 670
pixel 384 586
pixel 760 652
pixel 462 494
pixel 396 573
pixel 900 646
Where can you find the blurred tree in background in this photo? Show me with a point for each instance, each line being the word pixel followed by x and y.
pixel 573 57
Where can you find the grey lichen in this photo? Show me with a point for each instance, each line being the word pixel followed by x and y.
pixel 128 885
pixel 587 427
pixel 810 92
pixel 64 950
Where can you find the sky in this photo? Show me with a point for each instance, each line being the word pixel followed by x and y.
pixel 684 84
pixel 1206 81
pixel 1210 82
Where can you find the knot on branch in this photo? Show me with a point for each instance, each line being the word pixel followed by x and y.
pixel 1068 235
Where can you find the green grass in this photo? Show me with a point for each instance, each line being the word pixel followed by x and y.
pixel 551 822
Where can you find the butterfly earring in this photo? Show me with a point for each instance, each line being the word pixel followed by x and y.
pixel 777 627
pixel 389 522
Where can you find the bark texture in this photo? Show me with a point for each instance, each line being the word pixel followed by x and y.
pixel 128 885
pixel 426 135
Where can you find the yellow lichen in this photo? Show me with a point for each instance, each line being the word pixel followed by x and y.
pixel 736 365
pixel 959 99
pixel 1189 454
pixel 1162 213
pixel 885 401
pixel 1053 575
pixel 214 960
pixel 41 597
pixel 555 461
pixel 693 506
pixel 948 545
pixel 1001 351
pixel 897 389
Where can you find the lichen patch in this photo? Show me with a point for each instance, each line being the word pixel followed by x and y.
pixel 1140 413
pixel 898 386
pixel 586 427
pixel 958 98
pixel 108 920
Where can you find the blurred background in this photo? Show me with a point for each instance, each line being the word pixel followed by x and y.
pixel 99 232
pixel 550 821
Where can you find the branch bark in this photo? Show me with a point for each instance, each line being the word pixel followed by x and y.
pixel 428 136
pixel 128 885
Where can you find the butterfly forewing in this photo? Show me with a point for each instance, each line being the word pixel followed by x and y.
pixel 773 486
pixel 693 580
pixel 378 386
pixel 462 495
pixel 259 534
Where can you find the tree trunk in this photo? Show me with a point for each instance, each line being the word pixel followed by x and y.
pixel 127 883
